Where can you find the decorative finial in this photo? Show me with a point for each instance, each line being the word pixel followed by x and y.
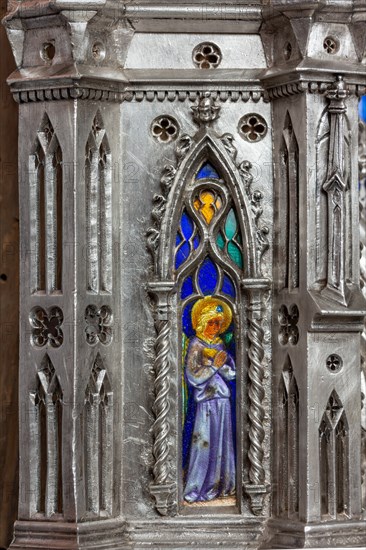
pixel 338 90
pixel 206 109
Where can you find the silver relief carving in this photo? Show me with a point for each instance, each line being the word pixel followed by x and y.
pixel 45 414
pixel 98 441
pixel 334 467
pixel 256 487
pixel 46 327
pixel 163 487
pixel 206 109
pixel 46 183
pixel 335 186
pixel 99 323
pixel 164 210
pixel 288 452
pixel 98 203
pixel 88 455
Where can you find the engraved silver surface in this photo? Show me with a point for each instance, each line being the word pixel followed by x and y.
pixel 100 203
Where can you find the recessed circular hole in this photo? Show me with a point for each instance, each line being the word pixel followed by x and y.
pixel 164 128
pixel 48 51
pixel 334 363
pixel 98 51
pixel 3 277
pixel 331 45
pixel 206 55
pixel 252 127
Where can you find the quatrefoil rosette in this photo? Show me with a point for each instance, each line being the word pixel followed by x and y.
pixel 46 327
pixel 98 325
pixel 288 319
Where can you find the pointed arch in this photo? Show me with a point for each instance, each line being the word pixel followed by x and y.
pixel 46 410
pixel 208 149
pixel 289 169
pixel 46 200
pixel 288 438
pixel 98 204
pixel 98 440
pixel 334 459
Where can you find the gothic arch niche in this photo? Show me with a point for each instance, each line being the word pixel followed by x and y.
pixel 334 460
pixel 46 199
pixel 208 263
pixel 288 447
pixel 98 442
pixel 46 404
pixel 207 248
pixel 289 159
pixel 98 204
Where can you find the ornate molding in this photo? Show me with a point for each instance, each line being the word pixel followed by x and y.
pixel 255 200
pixel 159 201
pixel 115 96
pixel 285 90
pixel 67 92
pixel 312 87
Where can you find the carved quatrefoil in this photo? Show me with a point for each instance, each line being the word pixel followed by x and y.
pixel 252 127
pixel 334 363
pixel 288 319
pixel 98 325
pixel 207 55
pixel 165 128
pixel 46 326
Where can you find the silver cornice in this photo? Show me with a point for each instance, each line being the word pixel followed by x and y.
pixel 180 10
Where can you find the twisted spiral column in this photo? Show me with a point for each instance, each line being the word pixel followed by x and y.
pixel 256 487
pixel 163 489
pixel 161 405
pixel 256 396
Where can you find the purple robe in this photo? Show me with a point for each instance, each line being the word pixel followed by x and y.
pixel 211 469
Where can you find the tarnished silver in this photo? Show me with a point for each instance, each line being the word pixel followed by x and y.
pixel 120 103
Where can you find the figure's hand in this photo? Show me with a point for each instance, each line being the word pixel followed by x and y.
pixel 220 359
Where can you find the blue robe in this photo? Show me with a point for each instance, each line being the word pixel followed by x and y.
pixel 211 468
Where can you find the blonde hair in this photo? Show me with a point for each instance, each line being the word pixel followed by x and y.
pixel 206 315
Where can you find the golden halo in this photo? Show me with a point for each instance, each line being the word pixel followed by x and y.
pixel 207 303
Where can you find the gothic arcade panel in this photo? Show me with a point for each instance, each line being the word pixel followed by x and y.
pixel 207 237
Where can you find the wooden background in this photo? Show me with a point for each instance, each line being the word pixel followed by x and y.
pixel 9 303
